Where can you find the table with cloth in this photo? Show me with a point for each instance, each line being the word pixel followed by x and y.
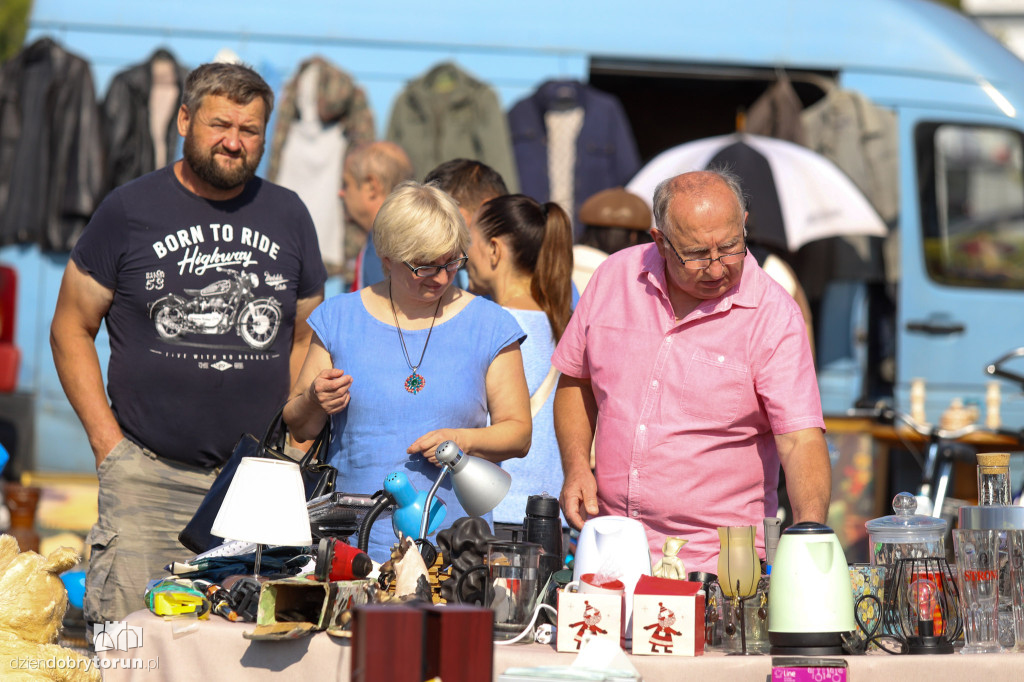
pixel 215 649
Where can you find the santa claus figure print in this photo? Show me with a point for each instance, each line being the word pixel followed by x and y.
pixel 663 631
pixel 591 617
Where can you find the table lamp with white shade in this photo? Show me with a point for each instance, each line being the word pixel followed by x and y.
pixel 266 505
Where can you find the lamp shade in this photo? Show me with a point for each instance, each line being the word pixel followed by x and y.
pixel 479 485
pixel 265 504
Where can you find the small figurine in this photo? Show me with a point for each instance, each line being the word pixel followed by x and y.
pixel 670 565
pixel 410 574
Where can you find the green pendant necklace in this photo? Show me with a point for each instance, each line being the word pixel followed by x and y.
pixel 415 382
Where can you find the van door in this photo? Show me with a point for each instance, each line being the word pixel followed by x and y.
pixel 961 288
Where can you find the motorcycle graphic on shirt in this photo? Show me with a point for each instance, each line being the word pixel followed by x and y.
pixel 218 308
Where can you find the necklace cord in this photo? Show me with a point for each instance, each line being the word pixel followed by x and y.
pixel 401 337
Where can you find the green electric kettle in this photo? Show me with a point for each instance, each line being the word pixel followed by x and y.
pixel 810 597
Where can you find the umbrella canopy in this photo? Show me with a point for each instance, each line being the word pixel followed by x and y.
pixel 795 195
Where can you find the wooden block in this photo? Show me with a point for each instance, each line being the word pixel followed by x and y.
pixel 387 644
pixel 459 643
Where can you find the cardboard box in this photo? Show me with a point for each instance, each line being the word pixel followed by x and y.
pixel 584 616
pixel 668 617
pixel 296 607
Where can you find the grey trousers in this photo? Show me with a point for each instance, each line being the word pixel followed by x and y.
pixel 144 502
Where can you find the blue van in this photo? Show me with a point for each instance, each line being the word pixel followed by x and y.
pixel 943 306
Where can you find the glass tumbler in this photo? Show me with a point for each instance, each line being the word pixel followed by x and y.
pixel 1015 542
pixel 977 571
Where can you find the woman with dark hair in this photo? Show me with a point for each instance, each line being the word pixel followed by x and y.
pixel 520 256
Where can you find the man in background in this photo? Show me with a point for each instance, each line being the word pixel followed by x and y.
pixel 613 219
pixel 470 183
pixel 371 171
pixel 204 275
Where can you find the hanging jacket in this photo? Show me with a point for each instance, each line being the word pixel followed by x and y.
pixel 862 139
pixel 341 107
pixel 447 114
pixel 126 121
pixel 606 152
pixel 51 152
pixel 339 100
pixel 776 113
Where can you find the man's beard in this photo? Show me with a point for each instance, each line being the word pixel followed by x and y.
pixel 204 164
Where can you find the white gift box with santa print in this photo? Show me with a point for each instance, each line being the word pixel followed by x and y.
pixel 582 616
pixel 668 625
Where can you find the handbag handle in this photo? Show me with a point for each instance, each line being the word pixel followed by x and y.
pixel 317 450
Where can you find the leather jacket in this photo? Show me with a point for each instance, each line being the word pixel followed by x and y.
pixel 126 113
pixel 51 152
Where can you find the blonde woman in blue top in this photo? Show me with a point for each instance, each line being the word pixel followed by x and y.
pixel 408 363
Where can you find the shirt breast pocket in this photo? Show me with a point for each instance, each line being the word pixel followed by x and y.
pixel 713 388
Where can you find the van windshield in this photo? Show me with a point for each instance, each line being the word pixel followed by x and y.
pixel 972 182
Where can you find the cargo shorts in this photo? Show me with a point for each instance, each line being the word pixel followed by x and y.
pixel 144 502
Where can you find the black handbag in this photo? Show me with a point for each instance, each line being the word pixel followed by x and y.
pixel 318 477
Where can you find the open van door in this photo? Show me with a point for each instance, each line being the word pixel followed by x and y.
pixel 961 290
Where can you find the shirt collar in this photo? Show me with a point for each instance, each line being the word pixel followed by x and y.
pixel 743 294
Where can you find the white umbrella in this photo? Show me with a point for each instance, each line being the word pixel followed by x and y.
pixel 795 195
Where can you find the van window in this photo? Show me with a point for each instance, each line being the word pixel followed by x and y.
pixel 972 205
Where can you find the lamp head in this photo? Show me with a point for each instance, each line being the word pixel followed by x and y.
pixel 409 506
pixel 479 485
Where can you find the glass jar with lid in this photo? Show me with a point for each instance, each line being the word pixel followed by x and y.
pixel 905 534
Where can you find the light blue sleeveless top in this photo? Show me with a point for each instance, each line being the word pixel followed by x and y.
pixel 371 435
pixel 541 470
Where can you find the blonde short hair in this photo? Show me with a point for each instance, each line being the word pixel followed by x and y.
pixel 418 224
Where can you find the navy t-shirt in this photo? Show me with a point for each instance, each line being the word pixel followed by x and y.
pixel 203 313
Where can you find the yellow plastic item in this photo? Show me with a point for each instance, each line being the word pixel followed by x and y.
pixel 169 599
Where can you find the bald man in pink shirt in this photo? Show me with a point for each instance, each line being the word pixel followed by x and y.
pixel 695 368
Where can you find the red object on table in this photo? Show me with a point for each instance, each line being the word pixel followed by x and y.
pixel 459 643
pixel 387 644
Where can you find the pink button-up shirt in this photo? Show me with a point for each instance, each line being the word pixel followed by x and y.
pixel 687 410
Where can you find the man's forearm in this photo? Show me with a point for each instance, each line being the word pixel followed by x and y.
pixel 78 367
pixel 575 417
pixel 302 335
pixel 804 457
pixel 810 500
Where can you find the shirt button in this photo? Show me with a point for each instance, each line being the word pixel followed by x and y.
pixel 668 340
pixel 643 427
pixel 635 514
pixel 654 384
pixel 721 358
pixel 636 473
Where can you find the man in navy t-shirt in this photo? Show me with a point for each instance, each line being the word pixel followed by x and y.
pixel 204 275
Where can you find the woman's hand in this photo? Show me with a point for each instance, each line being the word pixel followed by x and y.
pixel 330 390
pixel 426 444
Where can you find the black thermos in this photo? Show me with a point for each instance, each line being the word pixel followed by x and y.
pixel 544 526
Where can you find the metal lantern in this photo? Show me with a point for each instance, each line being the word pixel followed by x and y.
pixel 921 607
